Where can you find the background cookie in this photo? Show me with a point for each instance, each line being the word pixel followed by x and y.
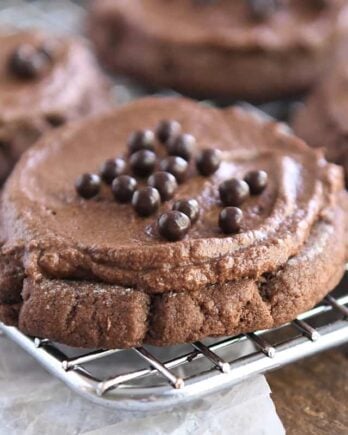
pixel 255 50
pixel 323 119
pixel 44 82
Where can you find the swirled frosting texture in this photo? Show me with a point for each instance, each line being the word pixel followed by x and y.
pixel 63 236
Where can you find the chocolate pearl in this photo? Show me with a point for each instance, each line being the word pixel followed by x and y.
pixel 26 62
pixel 174 225
pixel 190 207
pixel 88 185
pixel 176 166
pixel 49 48
pixel 257 181
pixel 167 130
pixel 234 192
pixel 319 4
pixel 203 2
pixel 230 219
pixel 165 183
pixel 123 188
pixel 208 162
pixel 55 119
pixel 143 163
pixel 182 146
pixel 111 169
pixel 261 10
pixel 141 140
pixel 146 201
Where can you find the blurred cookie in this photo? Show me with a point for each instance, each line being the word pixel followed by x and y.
pixel 323 119
pixel 44 82
pixel 241 49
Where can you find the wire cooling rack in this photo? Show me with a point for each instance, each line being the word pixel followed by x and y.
pixel 149 378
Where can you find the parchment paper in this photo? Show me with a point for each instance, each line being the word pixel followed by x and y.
pixel 32 402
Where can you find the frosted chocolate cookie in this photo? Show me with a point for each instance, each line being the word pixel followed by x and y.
pixel 244 49
pixel 183 222
pixel 323 120
pixel 44 82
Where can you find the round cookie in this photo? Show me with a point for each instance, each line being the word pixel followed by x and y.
pixel 240 49
pixel 94 273
pixel 323 119
pixel 44 82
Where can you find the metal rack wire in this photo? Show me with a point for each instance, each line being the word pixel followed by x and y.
pixel 148 378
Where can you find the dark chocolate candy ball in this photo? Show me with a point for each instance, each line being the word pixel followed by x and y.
pixel 123 188
pixel 167 130
pixel 234 192
pixel 257 181
pixel 208 162
pixel 176 166
pixel 165 183
pixel 88 185
pixel 141 140
pixel 27 62
pixel 261 10
pixel 111 169
pixel 230 219
pixel 174 225
pixel 143 163
pixel 190 207
pixel 182 146
pixel 146 201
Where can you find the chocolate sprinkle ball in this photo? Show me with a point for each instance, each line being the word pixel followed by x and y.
pixel 182 146
pixel 165 183
pixel 208 162
pixel 88 185
pixel 111 169
pixel 261 10
pixel 141 140
pixel 176 166
pixel 319 4
pixel 173 225
pixel 123 188
pixel 230 219
pixel 146 201
pixel 190 207
pixel 167 130
pixel 233 192
pixel 28 62
pixel 143 163
pixel 257 181
pixel 49 48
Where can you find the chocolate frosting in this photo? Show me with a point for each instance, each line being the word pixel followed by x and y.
pixel 217 49
pixel 71 77
pixel 70 86
pixel 63 236
pixel 224 23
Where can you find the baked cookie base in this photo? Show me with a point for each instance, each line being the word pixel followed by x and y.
pixel 96 315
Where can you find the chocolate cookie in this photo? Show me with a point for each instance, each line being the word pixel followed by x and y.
pixel 323 120
pixel 250 236
pixel 44 82
pixel 244 49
